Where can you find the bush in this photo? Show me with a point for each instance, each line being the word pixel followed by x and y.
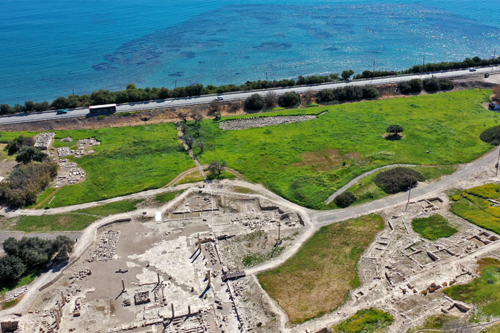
pixel 404 88
pixel 15 145
pixel 289 100
pixel 491 136
pixel 254 102
pixel 395 129
pixel 5 109
pixel 27 154
pixel 26 182
pixel 398 180
pixel 416 85
pixel 29 253
pixel 344 199
pixel 370 92
pixel 434 84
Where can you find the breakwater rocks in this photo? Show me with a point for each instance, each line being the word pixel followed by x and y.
pixel 244 123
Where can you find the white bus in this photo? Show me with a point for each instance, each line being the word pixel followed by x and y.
pixel 106 108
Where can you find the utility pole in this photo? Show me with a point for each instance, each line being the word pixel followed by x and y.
pixel 73 91
pixel 494 57
pixel 423 63
pixel 409 194
pixel 373 71
pixel 175 83
pixel 266 75
pixel 498 160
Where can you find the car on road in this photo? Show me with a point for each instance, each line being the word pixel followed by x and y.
pixel 220 98
pixel 472 69
pixel 62 111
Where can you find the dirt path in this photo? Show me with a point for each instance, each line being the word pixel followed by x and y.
pixel 357 179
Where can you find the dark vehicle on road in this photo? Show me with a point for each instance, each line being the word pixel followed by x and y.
pixel 61 111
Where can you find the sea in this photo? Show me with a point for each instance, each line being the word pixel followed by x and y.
pixel 51 48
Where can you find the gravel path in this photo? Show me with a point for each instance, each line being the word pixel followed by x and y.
pixel 357 179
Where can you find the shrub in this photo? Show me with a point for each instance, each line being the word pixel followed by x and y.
pixel 398 180
pixel 254 102
pixel 289 100
pixel 395 129
pixel 370 92
pixel 26 181
pixel 491 136
pixel 416 85
pixel 404 88
pixel 27 154
pixel 344 199
pixel 431 84
pixel 6 108
pixel 15 145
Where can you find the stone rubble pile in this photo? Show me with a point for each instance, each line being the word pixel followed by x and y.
pixel 73 176
pixel 81 275
pixel 44 140
pixel 107 247
pixel 68 139
pixel 65 163
pixel 90 142
pixel 13 294
pixel 63 152
pixel 244 123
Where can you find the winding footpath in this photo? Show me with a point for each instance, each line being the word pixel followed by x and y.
pixel 313 219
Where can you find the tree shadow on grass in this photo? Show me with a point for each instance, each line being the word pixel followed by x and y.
pixel 393 137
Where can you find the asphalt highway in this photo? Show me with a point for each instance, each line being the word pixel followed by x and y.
pixel 127 107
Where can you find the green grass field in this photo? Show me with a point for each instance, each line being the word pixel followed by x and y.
pixel 473 206
pixel 129 160
pixel 365 321
pixel 483 292
pixel 318 278
pixel 433 227
pixel 307 162
pixel 366 189
pixel 74 221
pixel 166 197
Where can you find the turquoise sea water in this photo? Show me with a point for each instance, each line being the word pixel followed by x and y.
pixel 50 47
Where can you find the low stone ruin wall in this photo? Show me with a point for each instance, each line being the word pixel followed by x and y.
pixel 44 140
pixel 244 123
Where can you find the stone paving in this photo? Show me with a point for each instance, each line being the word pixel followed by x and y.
pixel 245 123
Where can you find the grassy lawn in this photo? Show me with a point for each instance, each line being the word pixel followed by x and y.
pixel 433 227
pixel 434 324
pixel 307 162
pixel 483 292
pixel 74 221
pixel 365 321
pixel 366 189
pixel 473 206
pixel 166 197
pixel 318 278
pixel 129 160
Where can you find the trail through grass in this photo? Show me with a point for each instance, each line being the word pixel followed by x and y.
pixel 307 162
pixel 129 160
pixel 74 221
pixel 317 279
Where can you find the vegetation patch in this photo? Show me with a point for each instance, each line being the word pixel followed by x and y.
pixel 276 162
pixel 433 227
pixel 365 321
pixel 491 136
pixel 483 292
pixel 472 206
pixel 74 221
pixel 398 180
pixel 434 324
pixel 317 279
pixel 344 199
pixel 129 160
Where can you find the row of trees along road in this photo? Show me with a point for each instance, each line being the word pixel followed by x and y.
pixel 134 94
